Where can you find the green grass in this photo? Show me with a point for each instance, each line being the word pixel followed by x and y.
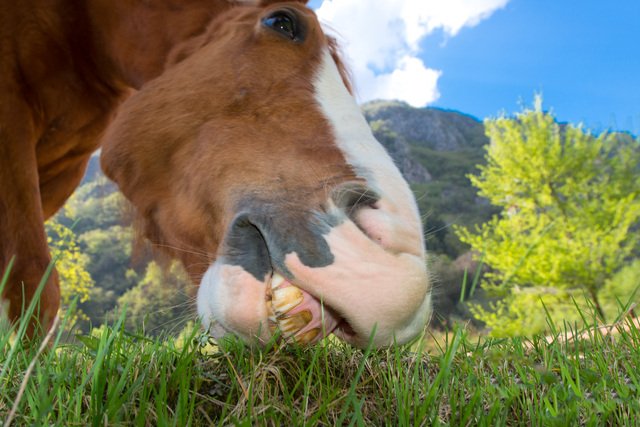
pixel 116 378
pixel 112 377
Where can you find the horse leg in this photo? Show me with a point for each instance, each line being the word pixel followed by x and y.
pixel 22 234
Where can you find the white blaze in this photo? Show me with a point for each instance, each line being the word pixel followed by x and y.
pixel 380 280
pixel 365 154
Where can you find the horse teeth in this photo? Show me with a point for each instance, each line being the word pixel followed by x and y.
pixel 282 297
pixel 285 299
pixel 276 281
pixel 307 337
pixel 291 324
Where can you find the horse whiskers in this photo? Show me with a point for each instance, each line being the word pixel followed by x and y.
pixel 430 233
pixel 192 251
pixel 422 196
pixel 174 323
pixel 425 216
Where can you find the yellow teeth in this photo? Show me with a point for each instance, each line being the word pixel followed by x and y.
pixel 276 281
pixel 282 297
pixel 285 299
pixel 290 325
pixel 308 336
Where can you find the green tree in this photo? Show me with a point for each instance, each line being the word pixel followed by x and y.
pixel 161 301
pixel 96 204
pixel 71 263
pixel 111 266
pixel 110 252
pixel 569 203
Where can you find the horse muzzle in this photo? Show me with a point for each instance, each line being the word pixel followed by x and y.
pixel 352 268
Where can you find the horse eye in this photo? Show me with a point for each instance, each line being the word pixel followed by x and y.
pixel 284 22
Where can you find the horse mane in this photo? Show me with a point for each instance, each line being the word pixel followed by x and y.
pixel 345 73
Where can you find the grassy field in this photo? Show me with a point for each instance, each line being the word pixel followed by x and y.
pixel 116 378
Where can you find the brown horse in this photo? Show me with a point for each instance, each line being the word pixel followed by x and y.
pixel 242 151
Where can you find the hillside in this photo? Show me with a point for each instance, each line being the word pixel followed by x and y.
pixel 433 128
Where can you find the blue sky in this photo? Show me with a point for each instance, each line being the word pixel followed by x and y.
pixel 583 56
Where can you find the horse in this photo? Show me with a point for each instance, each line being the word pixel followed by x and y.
pixel 232 129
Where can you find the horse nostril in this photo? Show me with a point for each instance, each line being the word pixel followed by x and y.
pixel 352 196
pixel 245 246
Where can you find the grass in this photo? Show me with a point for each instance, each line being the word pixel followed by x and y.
pixel 116 378
pixel 113 377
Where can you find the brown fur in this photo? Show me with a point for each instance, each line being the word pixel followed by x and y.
pixel 65 67
pixel 185 161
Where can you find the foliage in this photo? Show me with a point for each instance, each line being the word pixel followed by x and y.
pixel 160 301
pixel 569 200
pixel 97 213
pixel 110 252
pixel 527 311
pixel 96 205
pixel 623 289
pixel 71 264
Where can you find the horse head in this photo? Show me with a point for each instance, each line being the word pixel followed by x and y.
pixel 249 160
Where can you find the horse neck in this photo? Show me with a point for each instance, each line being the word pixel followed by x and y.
pixel 135 37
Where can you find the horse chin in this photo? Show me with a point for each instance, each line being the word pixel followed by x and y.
pixel 232 300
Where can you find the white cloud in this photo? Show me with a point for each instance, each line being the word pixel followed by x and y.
pixel 381 41
pixel 410 81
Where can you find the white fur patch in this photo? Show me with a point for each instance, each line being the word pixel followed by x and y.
pixel 369 286
pixel 379 279
pixel 363 152
pixel 231 300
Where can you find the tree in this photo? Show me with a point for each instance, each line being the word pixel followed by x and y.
pixel 71 263
pixel 160 301
pixel 569 203
pixel 110 252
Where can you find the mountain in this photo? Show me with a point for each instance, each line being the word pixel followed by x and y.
pixel 435 150
pixel 434 128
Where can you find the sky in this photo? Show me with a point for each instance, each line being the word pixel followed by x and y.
pixel 488 57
